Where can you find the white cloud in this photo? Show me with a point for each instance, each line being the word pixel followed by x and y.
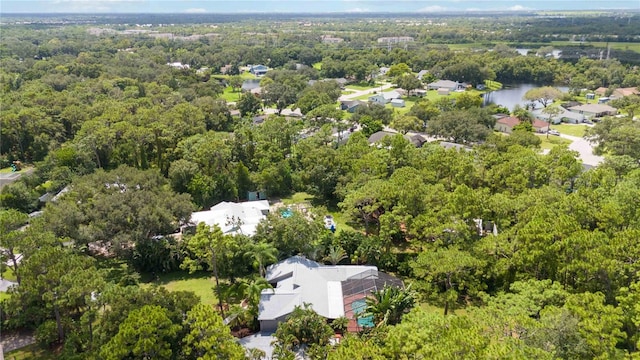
pixel 194 11
pixel 94 5
pixel 519 8
pixel 434 8
pixel 357 10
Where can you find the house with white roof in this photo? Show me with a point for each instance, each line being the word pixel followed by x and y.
pixel 233 218
pixel 332 291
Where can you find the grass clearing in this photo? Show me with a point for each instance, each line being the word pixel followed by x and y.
pixel 8 274
pixel 201 283
pixel 552 141
pixel 229 95
pixel 31 352
pixel 342 222
pixel 317 66
pixel 571 129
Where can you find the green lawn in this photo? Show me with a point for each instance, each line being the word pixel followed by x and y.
pixel 318 66
pixel 633 46
pixel 229 95
pixel 9 275
pixel 570 129
pixel 31 352
pixel 552 141
pixel 201 283
pixel 339 218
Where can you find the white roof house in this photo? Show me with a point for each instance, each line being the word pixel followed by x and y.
pixel 298 281
pixel 234 218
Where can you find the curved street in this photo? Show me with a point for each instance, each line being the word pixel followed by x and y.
pixel 585 149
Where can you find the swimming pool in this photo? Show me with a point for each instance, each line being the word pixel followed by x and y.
pixel 286 213
pixel 358 307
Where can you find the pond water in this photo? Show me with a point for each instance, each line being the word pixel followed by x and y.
pixel 511 95
pixel 250 84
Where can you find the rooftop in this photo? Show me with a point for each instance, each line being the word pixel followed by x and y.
pixel 234 218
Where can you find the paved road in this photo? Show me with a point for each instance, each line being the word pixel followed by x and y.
pixel 364 92
pixel 585 149
pixel 8 178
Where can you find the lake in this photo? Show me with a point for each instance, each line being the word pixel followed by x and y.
pixel 250 84
pixel 511 95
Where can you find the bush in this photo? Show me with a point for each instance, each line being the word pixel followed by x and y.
pixel 47 333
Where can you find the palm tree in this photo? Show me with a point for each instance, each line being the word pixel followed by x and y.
pixel 335 255
pixel 252 292
pixel 388 305
pixel 262 254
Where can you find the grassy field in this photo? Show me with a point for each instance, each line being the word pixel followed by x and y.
pixel 201 283
pixel 632 46
pixel 360 87
pixel 31 352
pixel 340 219
pixel 552 141
pixel 318 66
pixel 570 129
pixel 229 95
pixel 9 275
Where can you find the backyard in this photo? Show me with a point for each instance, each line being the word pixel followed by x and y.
pixel 201 283
pixel 577 130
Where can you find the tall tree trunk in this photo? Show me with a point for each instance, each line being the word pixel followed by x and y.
pixel 56 311
pixel 214 261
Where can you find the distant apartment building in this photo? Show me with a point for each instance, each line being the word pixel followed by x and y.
pixel 328 39
pixel 395 39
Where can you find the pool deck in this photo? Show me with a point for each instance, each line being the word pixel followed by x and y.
pixel 353 326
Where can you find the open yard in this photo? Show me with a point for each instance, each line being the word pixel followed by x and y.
pixel 552 141
pixel 229 95
pixel 31 352
pixel 571 129
pixel 201 283
pixel 339 218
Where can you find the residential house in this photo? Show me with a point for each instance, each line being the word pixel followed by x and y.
pixel 383 70
pixel 594 110
pixel 351 105
pixel 378 99
pixel 446 84
pixel 226 69
pixel 619 92
pixel 376 137
pixel 506 125
pixel 622 92
pixel 540 126
pixel 233 218
pixel 258 70
pixel 390 95
pixel 422 73
pixel 565 116
pixel 419 92
pixel 342 82
pixel 443 91
pixel 328 39
pixel 179 65
pixel 399 103
pixel 332 291
pixel 395 39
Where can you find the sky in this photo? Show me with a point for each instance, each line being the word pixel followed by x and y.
pixel 303 6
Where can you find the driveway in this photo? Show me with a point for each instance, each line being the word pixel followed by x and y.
pixel 261 341
pixel 585 149
pixel 8 178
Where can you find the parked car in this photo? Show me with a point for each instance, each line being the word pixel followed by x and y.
pixel 554 132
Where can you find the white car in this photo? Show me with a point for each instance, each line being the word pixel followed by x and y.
pixel 554 132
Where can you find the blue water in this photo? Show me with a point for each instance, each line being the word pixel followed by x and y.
pixel 287 213
pixel 358 306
